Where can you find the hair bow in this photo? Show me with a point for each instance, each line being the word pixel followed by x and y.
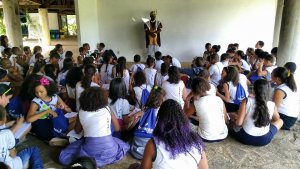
pixel 44 81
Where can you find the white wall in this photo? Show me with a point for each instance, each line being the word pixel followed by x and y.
pixel 187 25
pixel 87 22
pixel 53 21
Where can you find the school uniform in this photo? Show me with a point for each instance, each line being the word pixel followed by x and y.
pixel 174 91
pixel 97 141
pixel 250 134
pixel 163 158
pixel 289 107
pixel 150 76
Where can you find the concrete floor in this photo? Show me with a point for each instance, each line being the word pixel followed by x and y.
pixel 282 152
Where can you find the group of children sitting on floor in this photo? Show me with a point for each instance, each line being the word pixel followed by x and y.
pixel 159 112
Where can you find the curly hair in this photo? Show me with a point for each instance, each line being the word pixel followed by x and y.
pixel 51 88
pixel 117 90
pixel 261 112
pixel 174 76
pixel 156 97
pixel 93 99
pixel 74 75
pixel 173 129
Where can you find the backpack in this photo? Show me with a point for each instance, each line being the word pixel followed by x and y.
pixel 147 124
pixel 139 69
pixel 255 77
pixel 239 95
pixel 144 97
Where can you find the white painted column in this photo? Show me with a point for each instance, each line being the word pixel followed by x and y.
pixel 12 22
pixel 43 18
pixel 278 19
pixel 289 44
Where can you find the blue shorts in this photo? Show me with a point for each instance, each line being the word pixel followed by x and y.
pixel 288 122
pixel 263 140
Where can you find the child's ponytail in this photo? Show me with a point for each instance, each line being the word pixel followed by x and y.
pixel 89 72
pixel 286 77
pixel 290 82
pixel 261 114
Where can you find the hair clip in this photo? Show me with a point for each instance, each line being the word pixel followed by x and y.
pixel 289 74
pixel 44 81
pixel 155 87
pixel 76 165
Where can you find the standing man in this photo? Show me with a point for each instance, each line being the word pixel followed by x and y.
pixel 152 29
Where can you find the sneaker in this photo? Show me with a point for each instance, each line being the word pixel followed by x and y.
pixel 58 142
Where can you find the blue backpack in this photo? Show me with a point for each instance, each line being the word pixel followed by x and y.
pixel 60 124
pixel 240 94
pixel 255 77
pixel 147 124
pixel 144 98
pixel 15 108
pixel 139 69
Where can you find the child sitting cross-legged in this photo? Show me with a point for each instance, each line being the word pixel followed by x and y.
pixel 46 110
pixel 143 132
pixel 210 112
pixel 258 119
pixel 95 120
pixel 174 144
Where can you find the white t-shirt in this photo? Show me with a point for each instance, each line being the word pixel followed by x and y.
pixel 12 59
pixel 126 78
pixel 7 142
pixel 290 103
pixel 158 65
pixel 134 67
pixel 174 91
pixel 96 123
pixel 175 62
pixel 245 65
pixel 79 89
pixel 215 72
pixel 269 70
pixel 232 91
pixel 225 63
pixel 210 110
pixel 160 78
pixel 106 76
pixel 163 161
pixel 120 108
pixel 138 92
pixel 212 90
pixel 32 60
pixel 248 124
pixel 150 76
